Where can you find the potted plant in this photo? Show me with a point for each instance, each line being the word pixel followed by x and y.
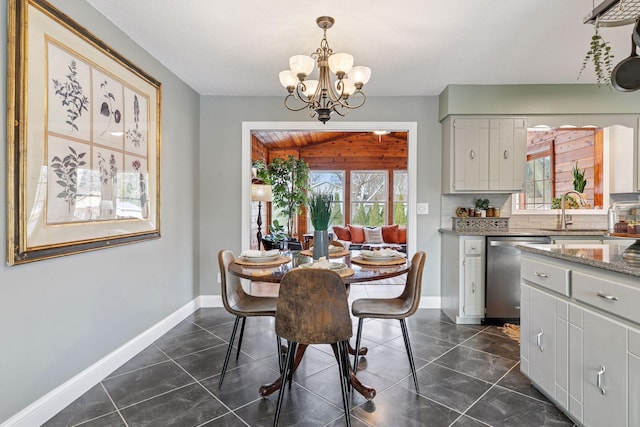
pixel 320 213
pixel 600 54
pixel 276 236
pixel 289 179
pixel 481 206
pixel 579 182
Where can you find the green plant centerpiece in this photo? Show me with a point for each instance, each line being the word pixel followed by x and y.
pixel 320 212
pixel 482 204
pixel 600 55
pixel 579 182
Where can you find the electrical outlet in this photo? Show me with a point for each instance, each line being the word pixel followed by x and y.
pixel 219 279
pixel 422 209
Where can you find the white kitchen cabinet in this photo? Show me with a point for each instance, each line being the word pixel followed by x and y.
pixel 602 377
pixel 463 278
pixel 483 154
pixel 592 366
pixel 545 331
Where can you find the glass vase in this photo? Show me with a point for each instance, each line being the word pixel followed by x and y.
pixel 320 244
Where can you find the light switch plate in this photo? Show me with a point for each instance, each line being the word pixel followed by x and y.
pixel 422 208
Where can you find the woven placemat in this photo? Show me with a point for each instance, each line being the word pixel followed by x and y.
pixel 334 254
pixel 345 272
pixel 362 261
pixel 280 260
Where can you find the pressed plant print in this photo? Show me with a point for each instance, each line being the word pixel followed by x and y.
pixel 135 122
pixel 108 175
pixel 71 95
pixel 66 171
pixel 107 108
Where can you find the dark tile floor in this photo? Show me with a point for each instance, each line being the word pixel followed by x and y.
pixel 468 376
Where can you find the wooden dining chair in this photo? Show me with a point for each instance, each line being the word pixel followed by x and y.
pixel 237 302
pixel 313 309
pixel 399 308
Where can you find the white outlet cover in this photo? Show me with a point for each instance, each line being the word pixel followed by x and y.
pixel 422 208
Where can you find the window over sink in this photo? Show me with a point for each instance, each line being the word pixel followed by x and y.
pixel 593 144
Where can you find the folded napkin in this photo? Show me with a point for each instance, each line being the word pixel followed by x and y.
pixel 252 253
pixel 383 253
pixel 332 248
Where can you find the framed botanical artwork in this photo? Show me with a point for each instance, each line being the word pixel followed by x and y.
pixel 84 149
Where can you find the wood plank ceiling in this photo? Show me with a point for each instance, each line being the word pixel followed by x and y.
pixel 334 150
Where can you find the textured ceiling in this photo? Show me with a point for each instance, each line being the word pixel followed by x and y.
pixel 414 47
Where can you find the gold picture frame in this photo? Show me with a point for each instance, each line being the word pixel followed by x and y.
pixel 83 140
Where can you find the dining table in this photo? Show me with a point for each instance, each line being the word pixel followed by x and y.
pixel 354 268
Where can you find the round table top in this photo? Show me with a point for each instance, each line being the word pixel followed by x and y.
pixel 362 273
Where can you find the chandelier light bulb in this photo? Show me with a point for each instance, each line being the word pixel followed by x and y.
pixel 311 86
pixel 360 75
pixel 347 87
pixel 340 63
pixel 301 65
pixel 288 80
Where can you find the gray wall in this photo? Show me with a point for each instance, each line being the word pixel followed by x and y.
pixel 220 164
pixel 57 317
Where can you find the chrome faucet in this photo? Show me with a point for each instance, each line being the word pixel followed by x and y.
pixel 563 216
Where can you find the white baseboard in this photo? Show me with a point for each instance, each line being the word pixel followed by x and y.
pixel 430 302
pixel 59 398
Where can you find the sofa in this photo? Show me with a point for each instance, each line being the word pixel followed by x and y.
pixel 362 237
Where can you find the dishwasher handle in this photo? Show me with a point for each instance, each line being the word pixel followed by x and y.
pixel 513 243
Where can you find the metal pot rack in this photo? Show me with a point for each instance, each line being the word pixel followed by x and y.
pixel 614 13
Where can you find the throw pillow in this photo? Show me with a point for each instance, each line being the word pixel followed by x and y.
pixel 342 233
pixel 402 235
pixel 357 233
pixel 373 235
pixel 390 233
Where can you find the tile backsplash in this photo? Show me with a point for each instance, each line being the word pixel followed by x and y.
pixel 450 202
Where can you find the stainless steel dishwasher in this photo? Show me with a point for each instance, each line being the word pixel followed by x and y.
pixel 502 296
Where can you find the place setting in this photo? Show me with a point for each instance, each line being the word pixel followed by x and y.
pixel 380 257
pixel 324 264
pixel 256 258
pixel 335 251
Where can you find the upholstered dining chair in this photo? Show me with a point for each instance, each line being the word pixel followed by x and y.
pixel 399 308
pixel 237 302
pixel 313 309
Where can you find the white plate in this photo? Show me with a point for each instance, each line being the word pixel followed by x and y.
pixel 334 265
pixel 380 258
pixel 258 259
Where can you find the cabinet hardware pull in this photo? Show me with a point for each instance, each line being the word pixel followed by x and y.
pixel 545 276
pixel 472 154
pixel 506 154
pixel 605 296
pixel 539 340
pixel 599 376
pixel 473 287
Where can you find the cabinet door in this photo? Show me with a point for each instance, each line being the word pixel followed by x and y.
pixel 604 371
pixel 507 154
pixel 634 390
pixel 542 337
pixel 471 154
pixel 473 286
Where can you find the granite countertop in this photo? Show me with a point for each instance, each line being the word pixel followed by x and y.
pixel 607 256
pixel 524 232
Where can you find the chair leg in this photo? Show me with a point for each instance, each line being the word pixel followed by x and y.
pixel 347 365
pixel 358 337
pixel 343 365
pixel 226 358
pixel 293 361
pixel 288 365
pixel 244 320
pixel 407 346
pixel 279 344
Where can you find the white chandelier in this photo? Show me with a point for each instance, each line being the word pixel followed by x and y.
pixel 322 97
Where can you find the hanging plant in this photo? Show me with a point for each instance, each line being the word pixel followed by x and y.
pixel 600 55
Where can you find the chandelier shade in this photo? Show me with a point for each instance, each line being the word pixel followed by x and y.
pixel 338 88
